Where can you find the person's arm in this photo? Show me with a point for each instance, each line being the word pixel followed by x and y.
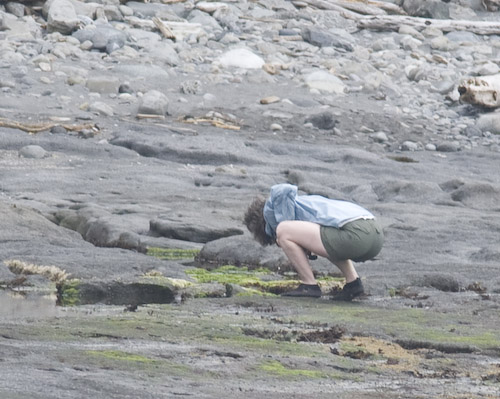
pixel 280 206
pixel 283 197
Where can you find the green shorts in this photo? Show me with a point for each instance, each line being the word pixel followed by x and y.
pixel 359 240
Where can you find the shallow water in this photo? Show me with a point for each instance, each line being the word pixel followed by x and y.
pixel 15 305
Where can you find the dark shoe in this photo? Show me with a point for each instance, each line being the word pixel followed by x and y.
pixel 350 291
pixel 305 290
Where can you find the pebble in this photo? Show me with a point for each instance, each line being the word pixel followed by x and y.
pixel 153 103
pixel 269 100
pixel 410 146
pixel 379 137
pixel 325 82
pixel 32 151
pixel 241 58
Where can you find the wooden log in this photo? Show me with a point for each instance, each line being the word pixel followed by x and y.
pixel 40 127
pixel 393 22
pixel 165 31
pixel 363 7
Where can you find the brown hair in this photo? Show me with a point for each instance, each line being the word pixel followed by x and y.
pixel 255 222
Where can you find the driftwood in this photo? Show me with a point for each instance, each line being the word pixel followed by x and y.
pixel 165 30
pixel 352 9
pixel 393 22
pixel 217 121
pixel 40 127
pixel 483 91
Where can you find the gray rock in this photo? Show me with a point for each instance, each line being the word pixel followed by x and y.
pixel 442 282
pixel 241 58
pixel 379 137
pixel 103 84
pixel 410 146
pixel 149 10
pixel 448 147
pixel 103 38
pixel 478 196
pixel 488 68
pixel 463 37
pixel 32 151
pixel 324 81
pixel 193 232
pixel 250 254
pixel 16 9
pixel 320 38
pixel 164 52
pixel 62 17
pixel 207 21
pixel 113 13
pixel 154 103
pixel 408 191
pixel 101 108
pixel 489 123
pixel 427 8
pixel 324 121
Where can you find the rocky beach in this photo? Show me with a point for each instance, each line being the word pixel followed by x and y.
pixel 133 136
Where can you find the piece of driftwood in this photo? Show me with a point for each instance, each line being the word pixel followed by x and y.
pixel 394 22
pixel 40 127
pixel 172 1
pixel 352 9
pixel 483 91
pixel 219 122
pixel 149 116
pixel 164 29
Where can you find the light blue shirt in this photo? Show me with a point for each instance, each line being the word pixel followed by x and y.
pixel 285 204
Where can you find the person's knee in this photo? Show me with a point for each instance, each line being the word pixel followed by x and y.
pixel 282 233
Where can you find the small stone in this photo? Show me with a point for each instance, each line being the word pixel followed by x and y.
pixel 430 147
pixel 379 137
pixel 241 58
pixel 45 67
pixel 190 87
pixel 101 109
pixel 276 127
pixel 325 82
pixel 153 103
pixel 14 8
pixel 270 100
pixel 33 152
pixel 62 17
pixel 448 147
pixel 103 84
pixel 323 121
pixel 58 130
pixel 409 146
pixel 125 88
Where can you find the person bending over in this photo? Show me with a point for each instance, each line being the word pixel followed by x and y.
pixel 304 226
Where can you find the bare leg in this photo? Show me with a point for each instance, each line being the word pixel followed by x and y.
pixel 347 269
pixel 294 237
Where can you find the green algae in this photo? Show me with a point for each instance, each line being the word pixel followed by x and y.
pixel 256 281
pixel 120 356
pixel 172 253
pixel 278 369
pixel 68 293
